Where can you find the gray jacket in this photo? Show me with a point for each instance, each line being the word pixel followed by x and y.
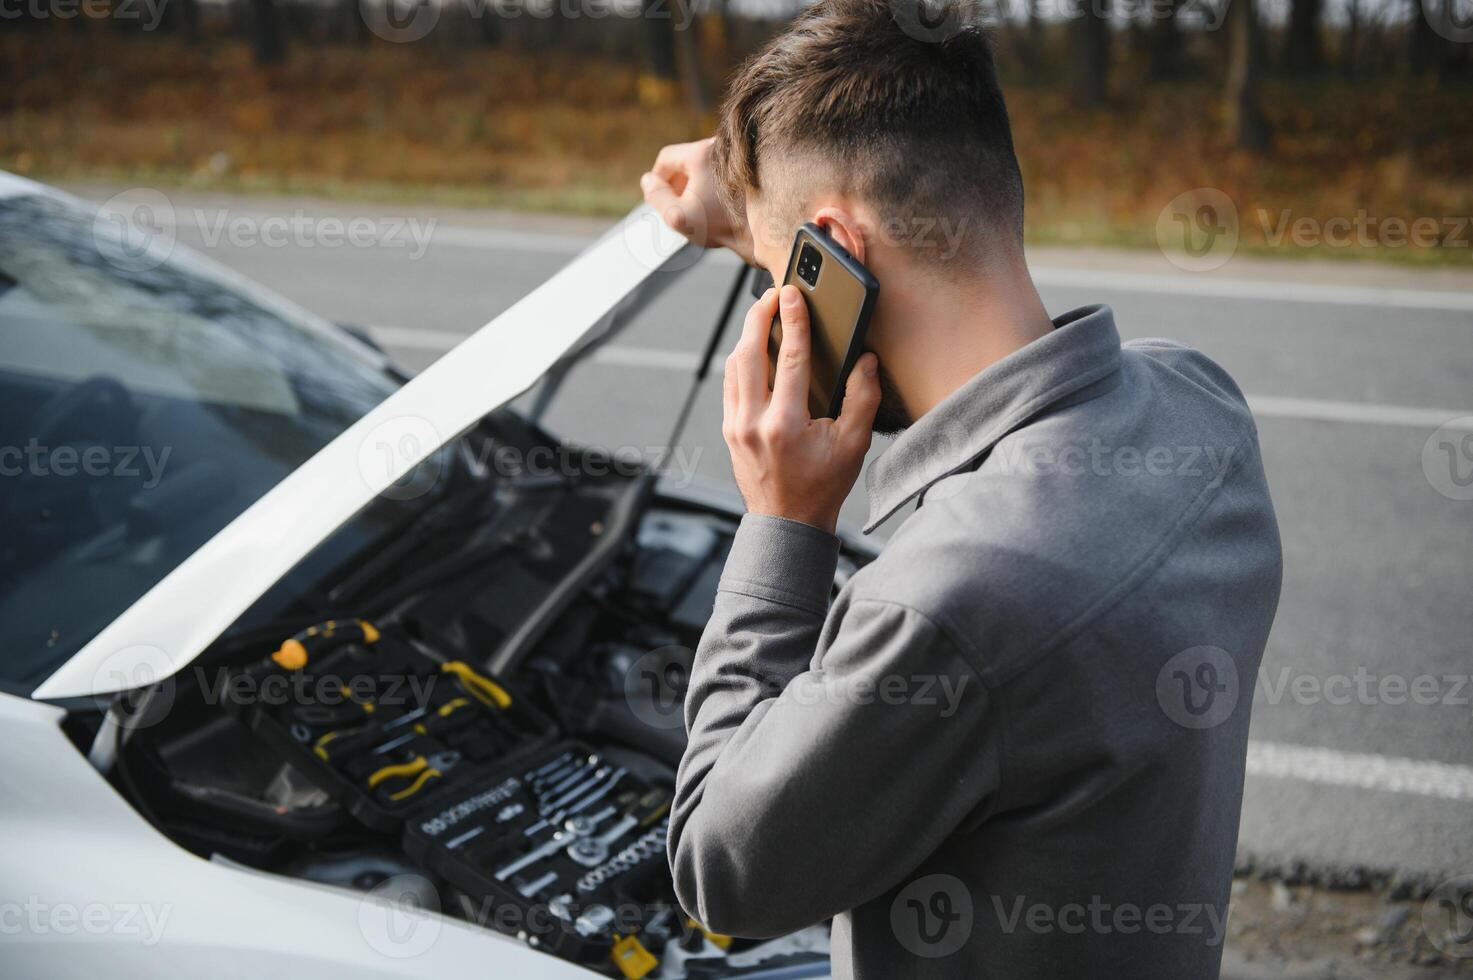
pixel 1013 745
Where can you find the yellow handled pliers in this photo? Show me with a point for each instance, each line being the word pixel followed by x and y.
pixel 478 686
pixel 418 767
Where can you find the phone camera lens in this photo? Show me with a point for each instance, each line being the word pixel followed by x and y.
pixel 809 262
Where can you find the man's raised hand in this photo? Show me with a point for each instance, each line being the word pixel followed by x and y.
pixel 682 189
pixel 786 463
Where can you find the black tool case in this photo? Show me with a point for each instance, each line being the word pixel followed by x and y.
pixel 474 779
pixel 379 723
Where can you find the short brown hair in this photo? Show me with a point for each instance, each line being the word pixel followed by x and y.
pixel 911 120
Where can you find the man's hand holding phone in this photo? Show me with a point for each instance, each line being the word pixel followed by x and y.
pixel 787 463
pixel 682 189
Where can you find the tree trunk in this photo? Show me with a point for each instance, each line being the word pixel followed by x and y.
pixel 491 32
pixel 659 40
pixel 1423 53
pixel 688 57
pixel 180 17
pixel 1164 41
pixel 268 41
pixel 353 28
pixel 660 80
pixel 1303 53
pixel 1245 116
pixel 1348 52
pixel 1092 33
pixel 1036 42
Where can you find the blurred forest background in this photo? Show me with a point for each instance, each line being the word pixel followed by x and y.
pixel 1294 108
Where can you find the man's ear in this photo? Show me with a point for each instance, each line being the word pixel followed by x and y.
pixel 843 228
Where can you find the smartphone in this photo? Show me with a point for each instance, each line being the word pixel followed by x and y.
pixel 841 294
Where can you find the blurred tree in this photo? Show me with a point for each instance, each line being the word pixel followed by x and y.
pixel 1246 123
pixel 656 86
pixel 491 24
pixel 1303 53
pixel 268 40
pixel 672 55
pixel 1450 48
pixel 180 17
pixel 1350 40
pixel 1426 48
pixel 688 56
pixel 351 25
pixel 1164 41
pixel 1092 39
pixel 1033 53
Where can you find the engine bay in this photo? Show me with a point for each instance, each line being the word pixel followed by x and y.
pixel 530 797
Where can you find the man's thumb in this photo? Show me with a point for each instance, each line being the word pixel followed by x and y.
pixel 660 196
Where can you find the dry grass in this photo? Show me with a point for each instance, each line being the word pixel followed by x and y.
pixel 485 126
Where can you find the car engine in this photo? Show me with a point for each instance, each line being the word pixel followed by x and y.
pixel 383 751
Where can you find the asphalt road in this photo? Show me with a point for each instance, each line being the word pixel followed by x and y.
pixel 1362 760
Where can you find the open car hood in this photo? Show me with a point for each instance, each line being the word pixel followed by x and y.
pixel 578 309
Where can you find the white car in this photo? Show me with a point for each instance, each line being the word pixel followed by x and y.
pixel 312 670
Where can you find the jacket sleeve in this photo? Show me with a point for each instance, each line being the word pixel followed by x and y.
pixel 829 753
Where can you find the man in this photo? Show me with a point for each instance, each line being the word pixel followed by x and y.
pixel 1013 745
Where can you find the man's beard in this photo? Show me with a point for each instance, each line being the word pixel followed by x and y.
pixel 892 418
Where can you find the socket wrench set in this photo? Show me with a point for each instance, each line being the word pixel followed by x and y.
pixel 561 848
pixel 379 722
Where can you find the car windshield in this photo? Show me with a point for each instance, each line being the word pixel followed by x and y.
pixel 145 402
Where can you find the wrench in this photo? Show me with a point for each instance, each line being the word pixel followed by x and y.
pixel 547 849
pixel 580 806
pixel 577 774
pixel 550 847
pixel 593 851
pixel 540 771
pixel 540 783
pixel 533 887
pixel 599 793
pixel 577 791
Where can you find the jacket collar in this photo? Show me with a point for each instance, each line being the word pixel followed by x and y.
pixel 1083 348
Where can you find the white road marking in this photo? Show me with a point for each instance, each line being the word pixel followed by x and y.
pixel 645 357
pixel 1206 286
pixel 1181 284
pixel 439 341
pixel 1331 767
pixel 1310 409
pixel 541 242
pixel 486 239
pixel 1264 406
pixel 1196 285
